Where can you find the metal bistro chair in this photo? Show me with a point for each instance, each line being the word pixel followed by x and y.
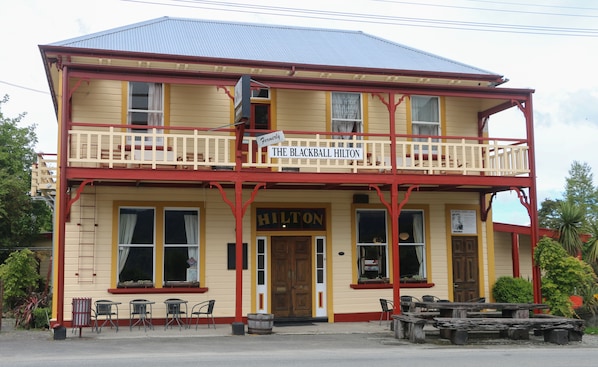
pixel 387 309
pixel 431 298
pixel 105 309
pixel 175 313
pixel 204 308
pixel 141 311
pixel 407 303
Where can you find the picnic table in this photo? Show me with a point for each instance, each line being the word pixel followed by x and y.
pixel 456 319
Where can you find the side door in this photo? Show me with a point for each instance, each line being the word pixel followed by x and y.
pixel 466 283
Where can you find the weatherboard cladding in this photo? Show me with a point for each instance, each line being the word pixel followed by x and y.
pixel 270 43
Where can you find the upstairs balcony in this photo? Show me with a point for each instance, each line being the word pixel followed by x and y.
pixel 111 147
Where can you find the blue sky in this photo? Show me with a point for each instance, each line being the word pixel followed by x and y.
pixel 546 45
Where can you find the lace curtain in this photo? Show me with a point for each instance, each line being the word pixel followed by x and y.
pixel 126 229
pixel 346 114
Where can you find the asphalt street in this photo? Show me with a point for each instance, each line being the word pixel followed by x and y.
pixel 341 344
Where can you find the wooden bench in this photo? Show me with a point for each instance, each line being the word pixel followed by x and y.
pixel 410 327
pixel 558 330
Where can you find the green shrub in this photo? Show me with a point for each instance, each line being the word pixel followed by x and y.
pixel 513 290
pixel 40 318
pixel 562 276
pixel 20 276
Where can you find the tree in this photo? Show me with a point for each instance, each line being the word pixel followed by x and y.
pixel 562 276
pixel 21 219
pixel 580 190
pixel 569 225
pixel 548 214
pixel 19 273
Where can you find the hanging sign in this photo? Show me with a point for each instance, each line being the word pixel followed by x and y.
pixel 269 139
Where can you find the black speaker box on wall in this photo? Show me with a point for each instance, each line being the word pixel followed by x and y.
pixel 361 199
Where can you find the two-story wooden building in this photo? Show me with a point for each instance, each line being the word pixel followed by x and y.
pixel 294 171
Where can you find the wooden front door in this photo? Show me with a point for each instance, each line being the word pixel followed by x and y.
pixel 466 284
pixel 291 277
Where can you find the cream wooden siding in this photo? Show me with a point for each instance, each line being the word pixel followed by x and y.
pixel 461 116
pixel 503 258
pixel 220 231
pixel 502 254
pixel 199 106
pixel 300 110
pixel 97 101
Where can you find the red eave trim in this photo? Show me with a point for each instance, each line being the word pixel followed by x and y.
pixel 526 230
pixel 72 51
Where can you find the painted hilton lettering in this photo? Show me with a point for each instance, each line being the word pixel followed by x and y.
pixel 290 218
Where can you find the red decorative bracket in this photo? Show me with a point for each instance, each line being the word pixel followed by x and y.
pixel 77 196
pixel 524 200
pixel 483 209
pixel 230 203
pixel 226 91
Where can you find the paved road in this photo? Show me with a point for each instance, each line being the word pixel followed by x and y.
pixel 24 349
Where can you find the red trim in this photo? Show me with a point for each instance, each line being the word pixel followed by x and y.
pixel 526 230
pixel 156 290
pixel 515 254
pixel 67 52
pixel 356 317
pixel 389 285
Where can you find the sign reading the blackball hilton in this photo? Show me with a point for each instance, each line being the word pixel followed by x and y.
pixel 315 152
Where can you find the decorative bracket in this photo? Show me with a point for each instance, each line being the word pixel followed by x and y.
pixel 483 209
pixel 77 196
pixel 230 203
pixel 524 200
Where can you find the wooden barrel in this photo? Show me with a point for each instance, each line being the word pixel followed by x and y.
pixel 260 323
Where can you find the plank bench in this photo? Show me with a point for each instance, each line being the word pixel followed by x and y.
pixel 410 327
pixel 558 330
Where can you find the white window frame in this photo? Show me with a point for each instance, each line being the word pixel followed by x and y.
pixel 155 115
pixel 121 246
pixel 194 270
pixel 343 120
pixel 418 122
pixel 377 241
pixel 417 239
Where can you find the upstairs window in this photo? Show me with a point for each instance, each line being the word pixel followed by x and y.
pixel 146 108
pixel 346 114
pixel 425 120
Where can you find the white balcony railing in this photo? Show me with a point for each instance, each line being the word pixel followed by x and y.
pixel 43 175
pixel 115 147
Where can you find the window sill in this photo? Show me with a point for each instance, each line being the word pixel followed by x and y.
pixel 389 285
pixel 181 285
pixel 157 290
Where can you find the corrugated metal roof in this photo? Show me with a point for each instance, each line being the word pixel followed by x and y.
pixel 271 43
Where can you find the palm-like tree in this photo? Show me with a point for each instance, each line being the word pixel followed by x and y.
pixel 571 218
pixel 591 246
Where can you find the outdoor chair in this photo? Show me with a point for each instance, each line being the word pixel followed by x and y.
pixel 387 309
pixel 407 303
pixel 175 314
pixel 104 311
pixel 140 310
pixel 204 308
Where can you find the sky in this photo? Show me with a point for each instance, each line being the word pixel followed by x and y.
pixel 550 46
